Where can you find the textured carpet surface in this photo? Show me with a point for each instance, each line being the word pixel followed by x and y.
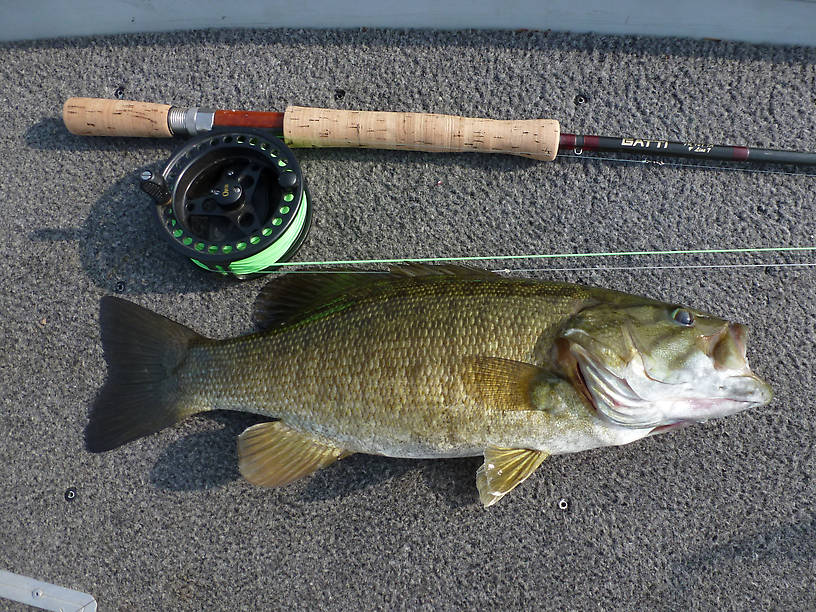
pixel 716 516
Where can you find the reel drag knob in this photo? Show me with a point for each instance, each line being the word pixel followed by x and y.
pixel 229 195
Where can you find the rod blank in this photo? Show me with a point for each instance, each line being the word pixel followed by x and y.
pixel 684 149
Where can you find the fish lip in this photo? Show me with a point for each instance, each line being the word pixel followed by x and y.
pixel 735 333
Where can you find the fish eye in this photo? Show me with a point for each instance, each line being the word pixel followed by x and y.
pixel 683 317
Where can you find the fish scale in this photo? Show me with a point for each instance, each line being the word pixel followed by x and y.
pixel 389 367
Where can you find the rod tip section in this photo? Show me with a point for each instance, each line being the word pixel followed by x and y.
pixel 101 117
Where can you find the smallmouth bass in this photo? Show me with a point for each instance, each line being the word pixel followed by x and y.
pixel 426 362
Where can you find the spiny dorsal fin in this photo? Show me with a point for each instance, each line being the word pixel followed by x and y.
pixel 294 296
pixel 503 470
pixel 503 383
pixel 421 269
pixel 273 454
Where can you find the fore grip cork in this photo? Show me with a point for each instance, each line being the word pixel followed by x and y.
pixel 321 127
pixel 99 117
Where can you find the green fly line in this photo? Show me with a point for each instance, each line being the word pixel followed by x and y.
pixel 286 266
pixel 271 255
pixel 664 267
pixel 269 260
pixel 542 256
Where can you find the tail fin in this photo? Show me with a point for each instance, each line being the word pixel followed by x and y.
pixel 141 394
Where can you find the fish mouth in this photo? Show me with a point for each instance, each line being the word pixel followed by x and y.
pixel 667 406
pixel 727 405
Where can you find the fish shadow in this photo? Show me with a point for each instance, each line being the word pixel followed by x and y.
pixel 203 460
pixel 453 480
pixel 794 542
pixel 119 243
pixel 209 459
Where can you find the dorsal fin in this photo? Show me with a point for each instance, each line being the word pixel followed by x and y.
pixel 295 296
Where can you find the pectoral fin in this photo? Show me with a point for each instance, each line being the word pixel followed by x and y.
pixel 504 383
pixel 273 454
pixel 504 469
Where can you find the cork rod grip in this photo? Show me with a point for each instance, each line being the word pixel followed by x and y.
pixel 99 117
pixel 320 127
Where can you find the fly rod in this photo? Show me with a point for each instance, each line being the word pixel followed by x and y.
pixel 304 127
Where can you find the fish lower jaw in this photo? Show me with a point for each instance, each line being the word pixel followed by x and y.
pixel 700 410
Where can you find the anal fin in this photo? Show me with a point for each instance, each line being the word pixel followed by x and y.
pixel 273 454
pixel 503 470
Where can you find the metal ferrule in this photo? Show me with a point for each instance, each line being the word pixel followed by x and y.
pixel 190 121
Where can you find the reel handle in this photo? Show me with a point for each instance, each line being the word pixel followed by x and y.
pixel 322 127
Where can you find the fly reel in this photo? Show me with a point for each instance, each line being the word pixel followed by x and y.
pixel 232 201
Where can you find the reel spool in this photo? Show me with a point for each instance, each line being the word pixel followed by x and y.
pixel 232 201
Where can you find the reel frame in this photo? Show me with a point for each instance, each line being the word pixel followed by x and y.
pixel 234 201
